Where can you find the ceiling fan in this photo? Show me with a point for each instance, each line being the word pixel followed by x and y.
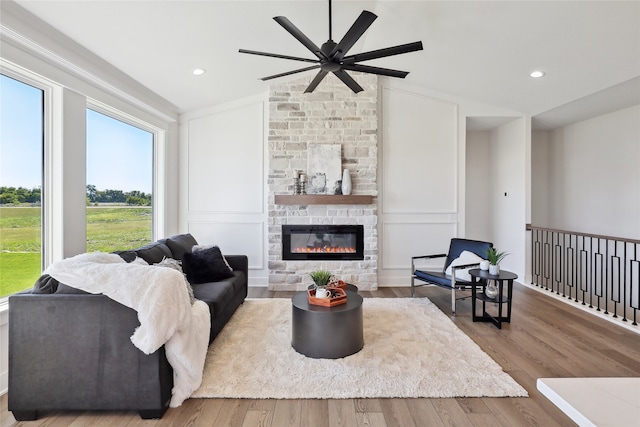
pixel 331 56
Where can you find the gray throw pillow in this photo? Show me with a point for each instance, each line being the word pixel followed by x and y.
pixel 176 265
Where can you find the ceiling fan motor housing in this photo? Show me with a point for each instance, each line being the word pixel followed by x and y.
pixel 330 58
pixel 332 63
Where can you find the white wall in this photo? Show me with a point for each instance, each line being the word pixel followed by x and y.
pixel 496 190
pixel 73 173
pixel 541 178
pixel 478 207
pixel 508 157
pixel 223 180
pixel 418 180
pixel 593 175
pixel 419 167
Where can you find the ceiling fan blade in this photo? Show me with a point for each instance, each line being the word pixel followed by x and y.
pixel 275 76
pixel 356 31
pixel 302 38
pixel 348 80
pixel 381 53
pixel 375 70
pixel 276 55
pixel 316 81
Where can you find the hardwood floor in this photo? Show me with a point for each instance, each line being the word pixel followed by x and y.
pixel 545 338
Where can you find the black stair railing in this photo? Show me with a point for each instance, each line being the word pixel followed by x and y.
pixel 602 272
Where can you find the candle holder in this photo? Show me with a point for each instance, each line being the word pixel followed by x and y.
pixel 303 183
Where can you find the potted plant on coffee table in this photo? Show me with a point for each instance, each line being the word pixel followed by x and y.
pixel 321 278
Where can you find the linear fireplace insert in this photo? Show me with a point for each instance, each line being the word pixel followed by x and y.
pixel 322 242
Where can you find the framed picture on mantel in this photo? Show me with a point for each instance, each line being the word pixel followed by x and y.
pixel 324 168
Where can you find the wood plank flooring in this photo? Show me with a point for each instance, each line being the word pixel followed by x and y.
pixel 545 338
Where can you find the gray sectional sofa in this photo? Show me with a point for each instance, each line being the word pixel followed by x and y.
pixel 71 350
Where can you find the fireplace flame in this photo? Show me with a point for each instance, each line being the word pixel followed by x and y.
pixel 324 250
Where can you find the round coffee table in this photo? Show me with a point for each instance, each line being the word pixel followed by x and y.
pixel 327 332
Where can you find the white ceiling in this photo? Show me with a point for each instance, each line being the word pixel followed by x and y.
pixel 478 50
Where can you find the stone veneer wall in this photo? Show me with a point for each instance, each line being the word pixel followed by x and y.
pixel 331 114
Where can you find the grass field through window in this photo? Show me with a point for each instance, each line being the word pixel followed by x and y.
pixel 109 228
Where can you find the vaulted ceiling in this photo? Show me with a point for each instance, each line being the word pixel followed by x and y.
pixel 477 50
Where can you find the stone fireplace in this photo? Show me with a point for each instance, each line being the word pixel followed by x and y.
pixel 332 114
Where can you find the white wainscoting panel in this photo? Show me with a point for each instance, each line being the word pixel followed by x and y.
pixel 404 240
pixel 419 153
pixel 419 177
pixel 226 161
pixel 233 239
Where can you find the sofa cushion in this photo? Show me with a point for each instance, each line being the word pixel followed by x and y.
pixel 216 295
pixel 128 256
pixel 48 285
pixel 206 265
pixel 181 244
pixel 45 285
pixel 238 282
pixel 153 253
pixel 66 289
pixel 439 278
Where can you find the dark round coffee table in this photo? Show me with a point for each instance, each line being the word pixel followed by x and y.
pixel 327 332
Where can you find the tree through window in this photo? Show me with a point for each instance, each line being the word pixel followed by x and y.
pixel 119 184
pixel 21 165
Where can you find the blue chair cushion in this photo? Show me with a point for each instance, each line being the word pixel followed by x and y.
pixel 438 278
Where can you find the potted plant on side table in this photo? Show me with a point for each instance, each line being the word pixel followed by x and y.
pixel 494 256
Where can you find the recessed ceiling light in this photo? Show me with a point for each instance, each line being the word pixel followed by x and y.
pixel 537 74
pixel 199 71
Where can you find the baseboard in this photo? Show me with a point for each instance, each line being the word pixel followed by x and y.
pixel 616 321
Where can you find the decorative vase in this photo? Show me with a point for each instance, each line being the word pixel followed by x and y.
pixel 491 290
pixel 494 269
pixel 346 182
pixel 484 265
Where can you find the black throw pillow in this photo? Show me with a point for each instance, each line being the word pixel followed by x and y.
pixel 180 245
pixel 207 265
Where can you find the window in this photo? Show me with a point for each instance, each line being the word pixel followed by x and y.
pixel 119 184
pixel 21 177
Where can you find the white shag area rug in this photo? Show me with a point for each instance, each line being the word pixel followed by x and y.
pixel 411 349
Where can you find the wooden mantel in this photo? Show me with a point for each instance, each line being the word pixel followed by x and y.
pixel 322 199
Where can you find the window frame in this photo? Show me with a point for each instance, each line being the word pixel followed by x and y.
pixel 158 150
pixel 46 195
pixel 52 236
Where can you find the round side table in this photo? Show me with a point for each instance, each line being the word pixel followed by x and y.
pixel 501 299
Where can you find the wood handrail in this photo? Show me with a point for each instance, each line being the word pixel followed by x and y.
pixel 530 227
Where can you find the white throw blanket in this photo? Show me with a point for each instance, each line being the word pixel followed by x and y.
pixel 160 297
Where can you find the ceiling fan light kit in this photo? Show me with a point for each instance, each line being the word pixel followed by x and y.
pixel 330 57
